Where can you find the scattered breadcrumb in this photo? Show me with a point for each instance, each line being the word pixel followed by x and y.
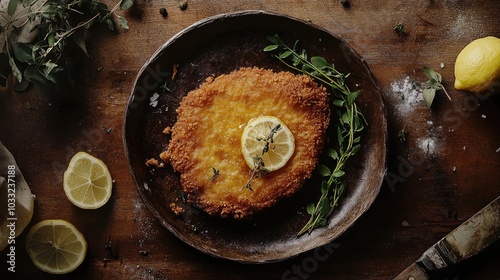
pixel 164 156
pixel 152 162
pixel 167 130
pixel 177 209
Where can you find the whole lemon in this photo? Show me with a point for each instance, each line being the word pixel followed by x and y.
pixel 478 65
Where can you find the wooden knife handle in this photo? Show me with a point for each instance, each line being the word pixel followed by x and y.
pixel 412 272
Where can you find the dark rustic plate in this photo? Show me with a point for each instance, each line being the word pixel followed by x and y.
pixel 219 45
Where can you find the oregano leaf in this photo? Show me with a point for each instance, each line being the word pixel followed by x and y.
pixel 338 173
pixel 319 62
pixel 126 4
pixel 11 9
pixel 430 73
pixel 310 208
pixel 324 187
pixel 332 153
pixel 338 102
pixel 428 95
pixel 270 48
pixel 22 52
pixel 122 22
pixel 285 54
pixel 323 170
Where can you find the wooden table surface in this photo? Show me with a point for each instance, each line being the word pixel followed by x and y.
pixel 444 170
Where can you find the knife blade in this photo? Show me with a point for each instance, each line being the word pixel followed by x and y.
pixel 468 239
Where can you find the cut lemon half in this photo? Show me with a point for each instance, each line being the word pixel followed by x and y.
pixel 56 246
pixel 268 140
pixel 87 182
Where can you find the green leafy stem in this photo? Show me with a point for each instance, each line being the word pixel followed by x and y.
pixel 350 123
pixel 57 23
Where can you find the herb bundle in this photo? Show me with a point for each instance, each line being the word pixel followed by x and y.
pixel 350 124
pixel 55 27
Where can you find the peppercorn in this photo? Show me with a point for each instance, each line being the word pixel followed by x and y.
pixel 163 12
pixel 345 3
pixel 183 5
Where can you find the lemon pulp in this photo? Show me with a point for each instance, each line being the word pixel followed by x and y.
pixel 56 246
pixel 87 181
pixel 269 140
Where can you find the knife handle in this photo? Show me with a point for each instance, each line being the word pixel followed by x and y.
pixel 412 272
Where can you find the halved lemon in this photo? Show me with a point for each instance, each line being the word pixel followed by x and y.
pixel 56 246
pixel 267 139
pixel 87 182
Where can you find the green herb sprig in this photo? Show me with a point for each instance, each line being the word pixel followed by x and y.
pixel 350 123
pixel 259 168
pixel 432 85
pixel 399 28
pixel 59 26
pixel 216 173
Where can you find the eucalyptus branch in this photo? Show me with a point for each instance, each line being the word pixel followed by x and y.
pixel 350 123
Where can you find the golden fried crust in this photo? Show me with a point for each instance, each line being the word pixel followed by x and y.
pixel 208 130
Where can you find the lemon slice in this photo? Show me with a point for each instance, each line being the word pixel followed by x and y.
pixel 87 182
pixel 56 246
pixel 268 139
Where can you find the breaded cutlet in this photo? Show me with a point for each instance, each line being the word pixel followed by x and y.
pixel 206 138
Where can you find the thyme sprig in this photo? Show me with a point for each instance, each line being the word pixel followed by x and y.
pixel 55 27
pixel 259 168
pixel 350 123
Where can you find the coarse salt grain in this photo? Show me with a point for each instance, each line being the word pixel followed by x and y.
pixel 154 100
pixel 466 26
pixel 428 145
pixel 409 95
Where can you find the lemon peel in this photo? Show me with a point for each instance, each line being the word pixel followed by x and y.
pixel 477 66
